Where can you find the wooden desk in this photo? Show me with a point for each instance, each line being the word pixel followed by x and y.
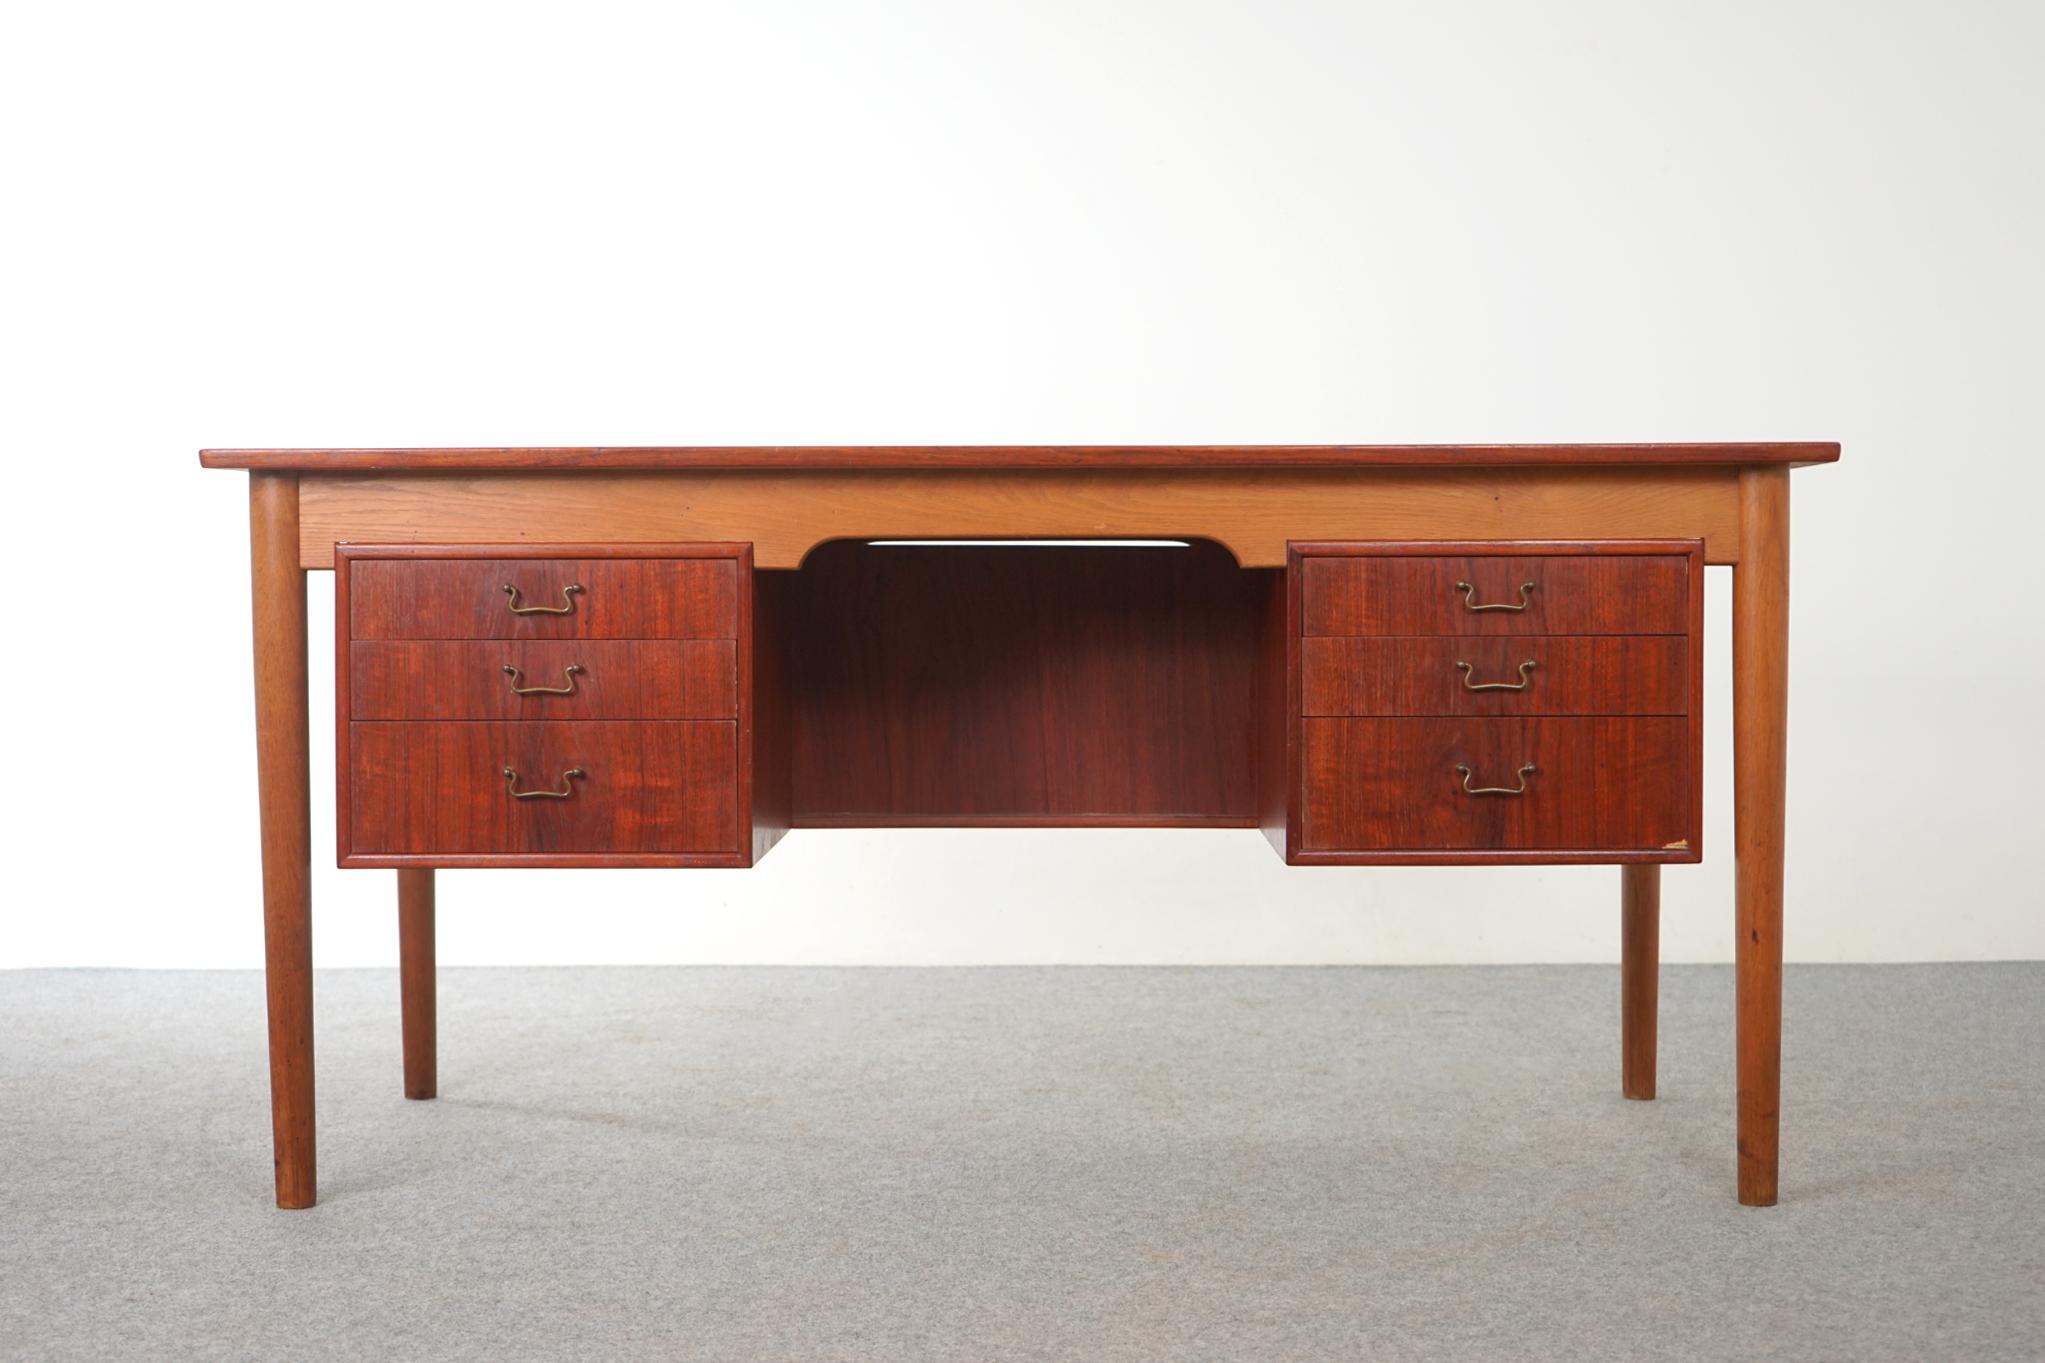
pixel 1377 654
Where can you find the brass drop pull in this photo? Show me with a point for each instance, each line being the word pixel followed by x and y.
pixel 568 690
pixel 1469 591
pixel 1520 685
pixel 1468 789
pixel 568 780
pixel 567 595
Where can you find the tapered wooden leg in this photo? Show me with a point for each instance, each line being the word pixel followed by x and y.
pixel 286 804
pixel 415 981
pixel 1760 759
pixel 1640 962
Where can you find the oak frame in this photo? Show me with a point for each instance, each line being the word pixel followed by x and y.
pixel 1738 504
pixel 1252 513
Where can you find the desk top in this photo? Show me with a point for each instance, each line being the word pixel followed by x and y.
pixel 649 458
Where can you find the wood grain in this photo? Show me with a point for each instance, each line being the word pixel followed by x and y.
pixel 621 598
pixel 1373 786
pixel 1760 770
pixel 417 1004
pixel 283 752
pixel 1021 456
pixel 1640 927
pixel 617 679
pixel 994 685
pixel 1577 675
pixel 1251 512
pixel 436 790
pixel 1573 594
pixel 1648 784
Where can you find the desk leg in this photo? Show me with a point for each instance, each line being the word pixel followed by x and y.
pixel 286 805
pixel 415 981
pixel 1640 964
pixel 1760 760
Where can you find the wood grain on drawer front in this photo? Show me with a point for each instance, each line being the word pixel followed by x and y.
pixel 1572 594
pixel 636 679
pixel 439 790
pixel 621 598
pixel 1391 785
pixel 1576 675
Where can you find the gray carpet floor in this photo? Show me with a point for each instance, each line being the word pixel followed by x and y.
pixel 1019 1164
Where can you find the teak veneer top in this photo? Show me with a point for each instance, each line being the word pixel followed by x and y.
pixel 651 458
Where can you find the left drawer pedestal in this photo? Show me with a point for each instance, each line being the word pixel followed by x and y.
pixel 501 706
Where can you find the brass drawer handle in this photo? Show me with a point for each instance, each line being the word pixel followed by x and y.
pixel 1468 789
pixel 1469 591
pixel 567 595
pixel 568 690
pixel 1522 684
pixel 568 780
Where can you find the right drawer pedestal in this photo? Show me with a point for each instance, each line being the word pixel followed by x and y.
pixel 1486 703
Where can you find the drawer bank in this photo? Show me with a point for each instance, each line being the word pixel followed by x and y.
pixel 1379 655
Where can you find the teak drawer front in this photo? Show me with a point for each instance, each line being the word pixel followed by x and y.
pixel 1368 593
pixel 1374 786
pixel 638 679
pixel 440 790
pixel 1576 675
pixel 619 598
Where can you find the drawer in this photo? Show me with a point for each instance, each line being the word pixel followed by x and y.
pixel 604 679
pixel 1371 787
pixel 1574 675
pixel 548 598
pixel 439 790
pixel 1376 593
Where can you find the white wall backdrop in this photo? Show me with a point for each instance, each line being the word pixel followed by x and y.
pixel 1097 221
